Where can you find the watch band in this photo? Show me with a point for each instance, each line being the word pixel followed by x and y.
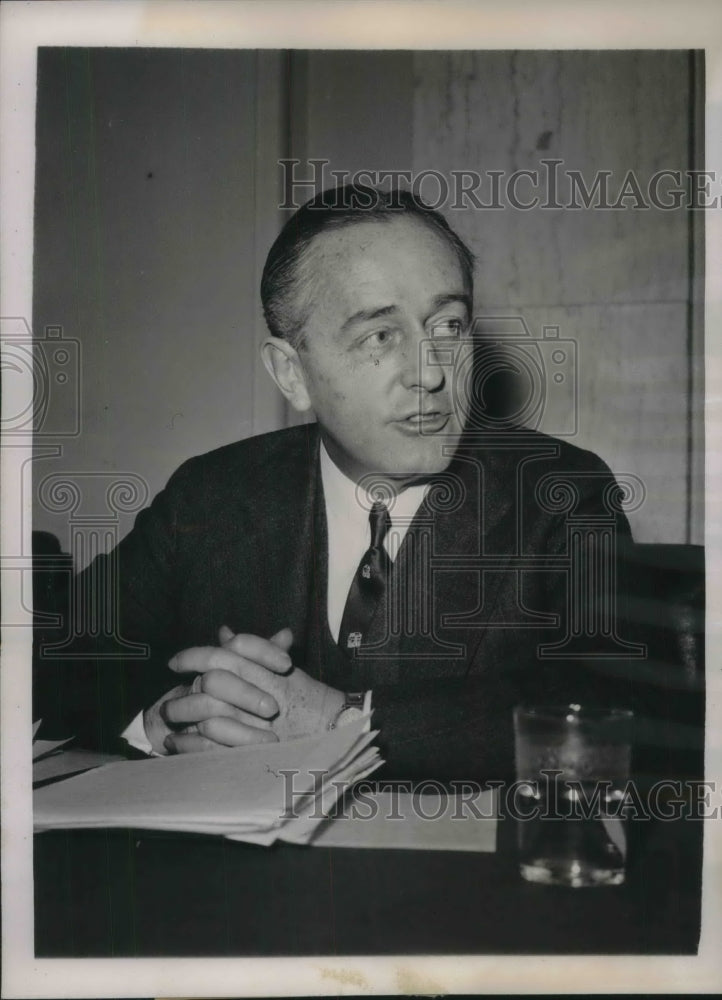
pixel 352 708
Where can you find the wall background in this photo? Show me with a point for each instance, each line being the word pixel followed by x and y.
pixel 158 193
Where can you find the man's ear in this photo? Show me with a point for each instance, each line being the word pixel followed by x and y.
pixel 284 366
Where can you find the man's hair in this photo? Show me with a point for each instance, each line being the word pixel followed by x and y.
pixel 337 208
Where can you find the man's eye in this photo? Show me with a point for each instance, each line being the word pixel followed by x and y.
pixel 451 327
pixel 378 339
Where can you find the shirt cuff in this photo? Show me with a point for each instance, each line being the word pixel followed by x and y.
pixel 135 736
pixel 367 711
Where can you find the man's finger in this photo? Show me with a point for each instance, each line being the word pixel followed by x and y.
pixel 201 659
pixel 230 733
pixel 244 692
pixel 240 692
pixel 283 639
pixel 253 648
pixel 265 652
pixel 197 707
pixel 188 743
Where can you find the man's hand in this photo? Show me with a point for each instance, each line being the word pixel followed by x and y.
pixel 246 691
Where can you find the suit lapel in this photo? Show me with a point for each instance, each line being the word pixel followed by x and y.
pixel 284 502
pixel 444 599
pixel 444 603
pixel 306 588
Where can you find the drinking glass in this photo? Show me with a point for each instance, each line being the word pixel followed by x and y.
pixel 572 767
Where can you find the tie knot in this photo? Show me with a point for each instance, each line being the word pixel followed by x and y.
pixel 380 523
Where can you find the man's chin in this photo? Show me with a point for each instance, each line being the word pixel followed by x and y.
pixel 424 458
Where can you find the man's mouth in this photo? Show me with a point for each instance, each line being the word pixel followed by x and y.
pixel 430 422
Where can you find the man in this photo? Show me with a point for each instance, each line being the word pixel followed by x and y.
pixel 385 553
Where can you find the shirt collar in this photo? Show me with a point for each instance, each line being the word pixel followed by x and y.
pixel 345 501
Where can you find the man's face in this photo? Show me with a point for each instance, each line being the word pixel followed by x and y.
pixel 373 292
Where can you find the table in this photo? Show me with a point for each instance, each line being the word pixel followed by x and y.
pixel 125 893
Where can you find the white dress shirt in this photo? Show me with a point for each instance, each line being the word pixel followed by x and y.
pixel 349 536
pixel 349 531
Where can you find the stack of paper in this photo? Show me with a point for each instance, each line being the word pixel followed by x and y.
pixel 258 793
pixel 50 761
pixel 42 748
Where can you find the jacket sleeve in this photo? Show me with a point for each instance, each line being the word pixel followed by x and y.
pixel 107 659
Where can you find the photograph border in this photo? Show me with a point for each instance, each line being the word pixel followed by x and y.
pixel 329 24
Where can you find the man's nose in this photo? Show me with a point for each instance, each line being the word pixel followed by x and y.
pixel 425 366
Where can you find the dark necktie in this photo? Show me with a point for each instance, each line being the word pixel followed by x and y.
pixel 369 583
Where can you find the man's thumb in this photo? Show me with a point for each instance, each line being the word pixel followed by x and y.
pixel 283 639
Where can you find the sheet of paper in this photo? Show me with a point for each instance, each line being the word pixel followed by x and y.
pixel 431 822
pixel 302 828
pixel 223 790
pixel 69 762
pixel 244 794
pixel 334 773
pixel 43 747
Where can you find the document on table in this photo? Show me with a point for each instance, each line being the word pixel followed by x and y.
pixel 50 761
pixel 391 818
pixel 258 793
pixel 41 748
pixel 67 762
pixel 281 791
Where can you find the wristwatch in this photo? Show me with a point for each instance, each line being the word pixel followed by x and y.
pixel 351 710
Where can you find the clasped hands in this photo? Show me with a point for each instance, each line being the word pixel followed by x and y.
pixel 246 690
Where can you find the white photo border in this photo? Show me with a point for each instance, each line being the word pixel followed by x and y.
pixel 332 24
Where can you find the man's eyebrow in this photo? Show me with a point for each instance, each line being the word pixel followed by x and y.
pixel 364 315
pixel 444 300
pixel 367 314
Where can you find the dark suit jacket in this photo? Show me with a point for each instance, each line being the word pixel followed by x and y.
pixel 238 537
